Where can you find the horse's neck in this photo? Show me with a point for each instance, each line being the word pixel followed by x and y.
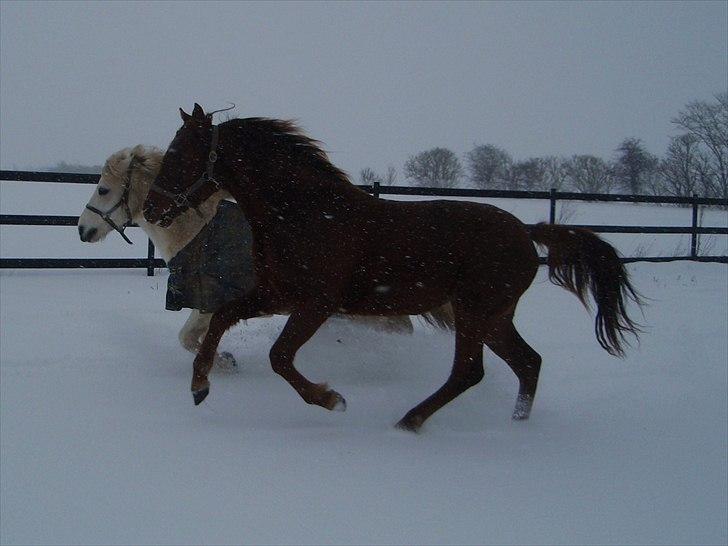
pixel 273 196
pixel 257 208
pixel 170 240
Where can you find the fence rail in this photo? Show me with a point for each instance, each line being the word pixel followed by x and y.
pixel 150 262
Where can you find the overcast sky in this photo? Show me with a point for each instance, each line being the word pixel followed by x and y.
pixel 376 82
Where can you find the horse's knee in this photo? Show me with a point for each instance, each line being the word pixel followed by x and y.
pixel 194 329
pixel 280 359
pixel 473 376
pixel 469 377
pixel 189 340
pixel 219 321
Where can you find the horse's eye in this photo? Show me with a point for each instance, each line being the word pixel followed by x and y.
pixel 103 191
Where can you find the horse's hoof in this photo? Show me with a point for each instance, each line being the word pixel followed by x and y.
pixel 229 356
pixel 523 407
pixel 410 424
pixel 226 362
pixel 200 395
pixel 336 402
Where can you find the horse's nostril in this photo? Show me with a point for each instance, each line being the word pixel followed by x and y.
pixel 86 235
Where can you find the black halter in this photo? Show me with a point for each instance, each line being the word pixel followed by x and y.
pixel 182 199
pixel 122 202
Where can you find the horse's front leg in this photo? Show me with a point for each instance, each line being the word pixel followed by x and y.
pixel 301 325
pixel 252 305
pixel 192 333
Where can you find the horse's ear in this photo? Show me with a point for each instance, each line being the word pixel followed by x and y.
pixel 198 113
pixel 185 115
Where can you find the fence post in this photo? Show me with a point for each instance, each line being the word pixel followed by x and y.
pixel 552 206
pixel 375 188
pixel 694 236
pixel 150 258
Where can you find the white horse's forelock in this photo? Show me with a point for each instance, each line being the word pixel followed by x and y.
pixel 149 160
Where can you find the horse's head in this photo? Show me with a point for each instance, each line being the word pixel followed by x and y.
pixel 185 179
pixel 118 197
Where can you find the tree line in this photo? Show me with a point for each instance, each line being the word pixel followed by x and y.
pixel 695 162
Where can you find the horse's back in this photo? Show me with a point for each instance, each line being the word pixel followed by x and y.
pixel 433 250
pixel 451 228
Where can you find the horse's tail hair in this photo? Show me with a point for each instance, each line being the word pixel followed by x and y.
pixel 582 262
pixel 441 317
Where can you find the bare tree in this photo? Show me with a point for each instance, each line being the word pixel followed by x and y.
pixel 529 174
pixel 390 177
pixel 438 168
pixel 634 165
pixel 683 169
pixel 707 124
pixel 589 174
pixel 368 177
pixel 555 173
pixel 489 167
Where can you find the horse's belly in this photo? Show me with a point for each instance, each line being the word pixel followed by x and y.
pixel 404 290
pixel 395 304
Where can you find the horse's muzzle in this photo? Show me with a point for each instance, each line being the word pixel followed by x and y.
pixel 86 235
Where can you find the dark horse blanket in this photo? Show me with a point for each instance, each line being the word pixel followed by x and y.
pixel 216 266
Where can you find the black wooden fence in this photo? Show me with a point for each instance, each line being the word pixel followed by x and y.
pixel 150 262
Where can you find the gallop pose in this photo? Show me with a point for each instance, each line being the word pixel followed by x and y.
pixel 117 202
pixel 322 245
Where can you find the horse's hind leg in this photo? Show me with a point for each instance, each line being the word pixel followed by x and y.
pixel 467 371
pixel 505 341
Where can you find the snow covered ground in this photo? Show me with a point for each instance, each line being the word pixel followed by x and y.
pixel 100 442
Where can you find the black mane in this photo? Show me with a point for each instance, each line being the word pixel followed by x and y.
pixel 288 144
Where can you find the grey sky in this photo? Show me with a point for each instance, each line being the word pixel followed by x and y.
pixel 376 82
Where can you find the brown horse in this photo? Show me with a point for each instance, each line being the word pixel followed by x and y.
pixel 321 246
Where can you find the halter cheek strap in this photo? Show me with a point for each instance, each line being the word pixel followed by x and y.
pixel 182 199
pixel 122 202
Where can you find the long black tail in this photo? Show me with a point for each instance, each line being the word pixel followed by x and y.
pixel 580 261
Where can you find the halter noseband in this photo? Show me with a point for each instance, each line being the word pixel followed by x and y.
pixel 122 202
pixel 182 199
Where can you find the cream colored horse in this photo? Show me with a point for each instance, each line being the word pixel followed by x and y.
pixel 117 202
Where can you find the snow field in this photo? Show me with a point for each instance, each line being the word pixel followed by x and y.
pixel 101 444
